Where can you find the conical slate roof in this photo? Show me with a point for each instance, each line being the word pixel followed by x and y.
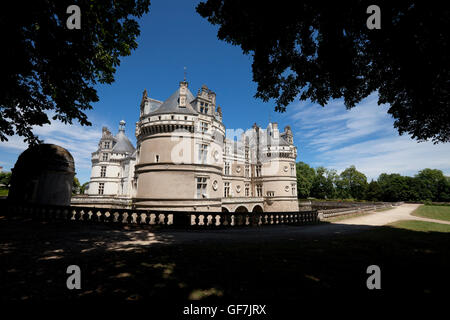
pixel 171 104
pixel 122 143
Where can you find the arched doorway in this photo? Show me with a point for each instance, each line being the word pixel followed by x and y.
pixel 225 209
pixel 257 208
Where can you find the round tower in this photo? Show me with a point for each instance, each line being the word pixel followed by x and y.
pixel 179 153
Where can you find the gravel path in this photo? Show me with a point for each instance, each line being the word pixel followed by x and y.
pixel 402 212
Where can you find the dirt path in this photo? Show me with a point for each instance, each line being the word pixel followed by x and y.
pixel 402 212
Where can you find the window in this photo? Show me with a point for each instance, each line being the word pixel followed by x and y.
pixel 259 190
pixel 201 187
pixel 204 127
pixel 258 170
pixel 185 118
pixel 203 107
pixel 105 157
pixel 227 168
pixel 247 190
pixel 247 171
pixel 157 158
pixel 246 154
pixel 227 150
pixel 270 193
pixel 294 192
pixel 226 189
pixel 203 151
pixel 101 188
pixel 103 171
pixel 106 144
pixel 292 169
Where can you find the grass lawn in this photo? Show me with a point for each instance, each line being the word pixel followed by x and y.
pixel 433 212
pixel 3 192
pixel 423 226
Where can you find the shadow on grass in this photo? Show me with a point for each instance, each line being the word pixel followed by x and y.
pixel 257 264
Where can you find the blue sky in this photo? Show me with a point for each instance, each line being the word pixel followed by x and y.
pixel 172 36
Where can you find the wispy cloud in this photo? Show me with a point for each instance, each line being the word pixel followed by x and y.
pixel 364 136
pixel 78 140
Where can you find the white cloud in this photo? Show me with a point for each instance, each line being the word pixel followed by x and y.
pixel 365 137
pixel 78 140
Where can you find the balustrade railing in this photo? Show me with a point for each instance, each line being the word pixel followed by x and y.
pixel 154 217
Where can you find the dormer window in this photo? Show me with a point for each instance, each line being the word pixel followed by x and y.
pixel 106 144
pixel 203 107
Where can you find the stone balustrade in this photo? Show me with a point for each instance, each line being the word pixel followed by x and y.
pixel 189 219
pixel 329 213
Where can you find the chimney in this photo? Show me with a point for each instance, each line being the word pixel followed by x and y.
pixel 183 92
pixel 275 131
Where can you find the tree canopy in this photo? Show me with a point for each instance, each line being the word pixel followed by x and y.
pixel 351 184
pixel 305 178
pixel 76 186
pixel 50 69
pixel 318 51
pixel 323 183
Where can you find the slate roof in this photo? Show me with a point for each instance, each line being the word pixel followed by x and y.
pixel 171 104
pixel 123 144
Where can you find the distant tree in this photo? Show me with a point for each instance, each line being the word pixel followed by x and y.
pixel 323 183
pixel 318 50
pixel 48 68
pixel 432 181
pixel 5 178
pixel 76 186
pixel 83 187
pixel 352 183
pixel 374 191
pixel 444 190
pixel 395 187
pixel 305 179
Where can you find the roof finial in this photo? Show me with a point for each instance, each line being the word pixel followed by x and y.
pixel 185 74
pixel 122 125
